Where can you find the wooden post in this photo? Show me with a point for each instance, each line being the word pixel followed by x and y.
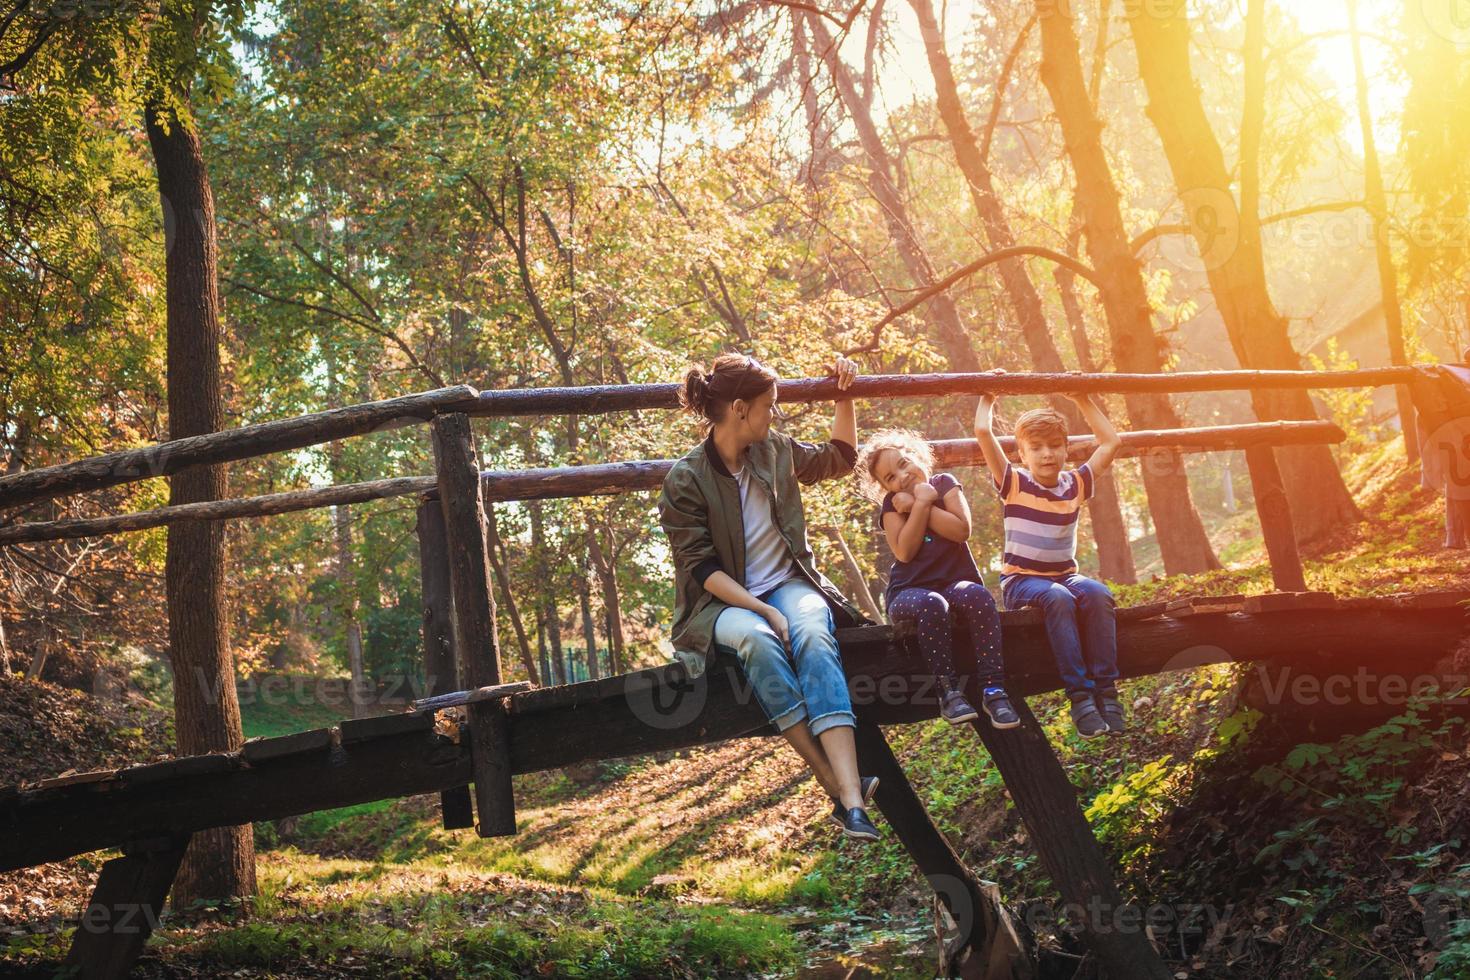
pixel 475 647
pixel 1058 830
pixel 124 908
pixel 1274 510
pixel 441 675
pixel 987 931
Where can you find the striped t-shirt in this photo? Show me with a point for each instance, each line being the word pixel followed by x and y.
pixel 1041 522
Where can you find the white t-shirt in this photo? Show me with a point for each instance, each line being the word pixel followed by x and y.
pixel 767 558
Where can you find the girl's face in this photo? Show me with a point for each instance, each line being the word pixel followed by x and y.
pixel 898 472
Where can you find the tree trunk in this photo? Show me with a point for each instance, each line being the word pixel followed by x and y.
pixel 220 862
pixel 1109 532
pixel 953 336
pixel 501 568
pixel 589 626
pixel 1388 283
pixel 1182 540
pixel 1234 263
pixel 545 601
pixel 342 518
pixel 612 611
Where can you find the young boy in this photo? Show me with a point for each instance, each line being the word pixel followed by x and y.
pixel 1042 501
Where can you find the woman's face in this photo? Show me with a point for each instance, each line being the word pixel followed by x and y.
pixel 898 472
pixel 753 417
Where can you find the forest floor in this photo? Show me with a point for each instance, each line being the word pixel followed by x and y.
pixel 1269 848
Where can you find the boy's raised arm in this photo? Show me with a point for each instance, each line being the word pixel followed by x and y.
pixel 995 456
pixel 1108 441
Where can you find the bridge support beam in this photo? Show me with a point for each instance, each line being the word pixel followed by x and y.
pixel 1273 508
pixel 989 943
pixel 1059 832
pixel 441 674
pixel 475 648
pixel 124 909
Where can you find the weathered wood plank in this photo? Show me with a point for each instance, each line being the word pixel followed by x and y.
pixel 261 750
pixel 189 765
pixel 358 729
pixel 1279 601
pixel 1199 605
pixel 455 699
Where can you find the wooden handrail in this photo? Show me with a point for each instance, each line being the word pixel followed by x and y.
pixel 610 478
pixel 163 459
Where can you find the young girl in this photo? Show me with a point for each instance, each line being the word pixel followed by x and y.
pixel 927 522
pixel 744 579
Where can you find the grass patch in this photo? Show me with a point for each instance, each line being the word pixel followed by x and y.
pixel 267 712
pixel 422 921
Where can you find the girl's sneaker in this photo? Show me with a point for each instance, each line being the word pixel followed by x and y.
pixel 998 709
pixel 1085 716
pixel 956 710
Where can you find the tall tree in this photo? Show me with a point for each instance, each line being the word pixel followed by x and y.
pixel 1115 555
pixel 1233 257
pixel 1183 543
pixel 882 184
pixel 1377 201
pixel 220 862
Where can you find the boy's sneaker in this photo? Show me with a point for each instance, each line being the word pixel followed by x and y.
pixel 1111 710
pixel 857 826
pixel 869 786
pixel 956 709
pixel 998 709
pixel 1085 716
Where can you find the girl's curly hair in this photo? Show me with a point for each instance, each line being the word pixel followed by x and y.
pixel 901 440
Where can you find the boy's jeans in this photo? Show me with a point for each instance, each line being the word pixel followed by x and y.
pixel 1067 601
pixel 808 683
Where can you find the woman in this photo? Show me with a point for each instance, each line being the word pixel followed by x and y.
pixel 744 578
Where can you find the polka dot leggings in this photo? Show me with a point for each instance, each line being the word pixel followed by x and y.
pixel 925 615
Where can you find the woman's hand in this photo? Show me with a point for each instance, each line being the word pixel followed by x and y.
pixel 844 418
pixel 925 493
pixel 778 624
pixel 903 501
pixel 845 370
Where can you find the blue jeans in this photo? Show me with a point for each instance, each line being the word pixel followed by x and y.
pixel 1067 601
pixel 806 683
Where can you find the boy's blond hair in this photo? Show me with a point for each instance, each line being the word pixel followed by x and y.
pixel 1041 423
pixel 899 440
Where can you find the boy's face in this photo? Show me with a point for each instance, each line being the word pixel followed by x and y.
pixel 898 472
pixel 1043 454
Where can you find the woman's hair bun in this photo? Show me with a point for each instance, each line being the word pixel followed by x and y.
pixel 694 393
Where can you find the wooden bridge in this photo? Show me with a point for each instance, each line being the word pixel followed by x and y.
pixel 150 811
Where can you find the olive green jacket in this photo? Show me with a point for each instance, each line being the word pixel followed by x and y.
pixel 700 512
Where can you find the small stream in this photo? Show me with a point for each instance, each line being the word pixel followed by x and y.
pixel 898 947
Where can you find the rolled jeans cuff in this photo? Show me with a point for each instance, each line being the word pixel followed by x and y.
pixel 832 719
pixel 790 717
